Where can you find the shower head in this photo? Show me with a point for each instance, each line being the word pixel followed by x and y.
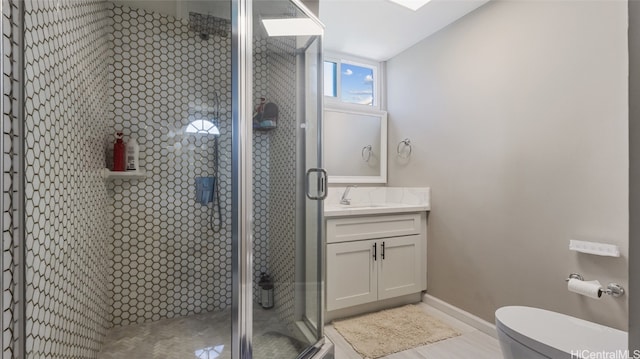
pixel 207 25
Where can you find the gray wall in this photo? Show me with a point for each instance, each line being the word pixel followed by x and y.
pixel 313 5
pixel 634 175
pixel 518 115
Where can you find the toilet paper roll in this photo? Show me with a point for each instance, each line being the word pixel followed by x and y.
pixel 591 289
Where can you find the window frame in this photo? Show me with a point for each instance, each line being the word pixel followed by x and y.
pixel 376 67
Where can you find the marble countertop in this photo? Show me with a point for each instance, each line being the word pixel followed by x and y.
pixel 377 200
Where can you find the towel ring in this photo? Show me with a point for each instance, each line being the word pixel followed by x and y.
pixel 366 153
pixel 402 145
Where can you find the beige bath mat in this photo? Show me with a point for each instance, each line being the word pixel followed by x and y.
pixel 390 331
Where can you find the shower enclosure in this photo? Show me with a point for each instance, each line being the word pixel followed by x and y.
pixel 212 247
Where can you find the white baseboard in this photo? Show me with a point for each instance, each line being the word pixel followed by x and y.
pixel 463 316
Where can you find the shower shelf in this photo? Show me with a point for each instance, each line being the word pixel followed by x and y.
pixel 125 175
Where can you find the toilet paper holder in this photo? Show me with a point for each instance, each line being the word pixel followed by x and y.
pixel 613 289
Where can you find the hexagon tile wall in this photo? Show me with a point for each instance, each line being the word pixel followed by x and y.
pixel 168 259
pixel 69 115
pixel 9 190
pixel 132 251
pixel 282 199
pixel 261 172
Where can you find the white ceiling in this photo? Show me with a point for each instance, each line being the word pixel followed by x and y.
pixel 379 29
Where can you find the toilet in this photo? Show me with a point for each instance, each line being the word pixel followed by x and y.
pixel 532 333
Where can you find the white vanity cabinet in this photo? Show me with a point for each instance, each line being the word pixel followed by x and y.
pixel 375 257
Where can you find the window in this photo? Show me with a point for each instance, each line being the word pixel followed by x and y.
pixel 202 127
pixel 351 82
pixel 330 79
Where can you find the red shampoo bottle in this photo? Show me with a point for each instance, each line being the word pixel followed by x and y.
pixel 119 153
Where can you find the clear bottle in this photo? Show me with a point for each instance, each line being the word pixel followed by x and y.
pixel 133 151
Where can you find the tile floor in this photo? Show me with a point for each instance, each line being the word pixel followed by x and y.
pixel 208 336
pixel 471 344
pixel 201 336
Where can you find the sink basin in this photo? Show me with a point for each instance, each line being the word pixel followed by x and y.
pixel 362 205
pixel 377 200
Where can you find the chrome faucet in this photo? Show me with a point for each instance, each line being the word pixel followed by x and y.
pixel 344 200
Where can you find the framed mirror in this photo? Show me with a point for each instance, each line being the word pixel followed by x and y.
pixel 355 146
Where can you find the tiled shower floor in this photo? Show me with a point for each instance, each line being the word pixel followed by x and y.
pixel 201 336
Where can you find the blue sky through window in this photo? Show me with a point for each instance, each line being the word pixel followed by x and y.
pixel 357 84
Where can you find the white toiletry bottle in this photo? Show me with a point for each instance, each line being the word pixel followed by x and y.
pixel 132 155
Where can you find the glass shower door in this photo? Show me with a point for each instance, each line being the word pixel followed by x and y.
pixel 314 247
pixel 288 183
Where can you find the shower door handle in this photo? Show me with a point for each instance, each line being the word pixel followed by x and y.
pixel 321 183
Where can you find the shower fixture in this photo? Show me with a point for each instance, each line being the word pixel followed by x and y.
pixel 207 25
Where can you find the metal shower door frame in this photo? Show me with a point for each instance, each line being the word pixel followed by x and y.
pixel 241 179
pixel 242 183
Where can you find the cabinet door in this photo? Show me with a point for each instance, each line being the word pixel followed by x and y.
pixel 351 274
pixel 399 271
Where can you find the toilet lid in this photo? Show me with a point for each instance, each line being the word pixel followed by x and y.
pixel 559 331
